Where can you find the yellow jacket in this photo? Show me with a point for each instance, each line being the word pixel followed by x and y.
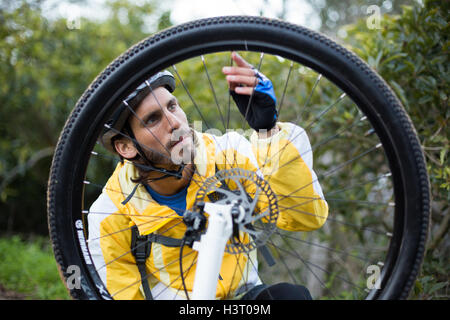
pixel 285 161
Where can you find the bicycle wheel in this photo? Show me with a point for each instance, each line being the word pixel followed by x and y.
pixel 366 155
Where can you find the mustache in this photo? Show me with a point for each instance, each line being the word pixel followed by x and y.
pixel 166 156
pixel 179 135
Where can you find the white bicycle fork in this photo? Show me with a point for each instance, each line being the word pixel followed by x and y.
pixel 211 249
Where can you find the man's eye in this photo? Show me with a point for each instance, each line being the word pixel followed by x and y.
pixel 151 120
pixel 172 106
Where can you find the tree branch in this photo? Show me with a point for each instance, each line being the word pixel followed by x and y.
pixel 22 168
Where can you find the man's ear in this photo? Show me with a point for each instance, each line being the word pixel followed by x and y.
pixel 125 148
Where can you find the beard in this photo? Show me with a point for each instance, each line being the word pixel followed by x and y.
pixel 178 151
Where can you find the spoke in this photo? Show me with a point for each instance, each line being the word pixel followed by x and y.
pixel 238 267
pixel 328 218
pixel 332 170
pixel 309 98
pixel 253 91
pixel 325 111
pixel 214 92
pixel 322 246
pixel 98 186
pixel 190 97
pixel 280 256
pixel 344 130
pixel 279 110
pixel 125 214
pixel 129 251
pixel 321 143
pixel 129 228
pixel 196 106
pixel 182 276
pixel 329 172
pixel 319 116
pixel 117 159
pixel 255 267
pixel 228 121
pixel 150 274
pixel 296 255
pixel 305 263
pixel 149 200
pixel 234 274
pixel 360 184
pixel 250 101
pixel 159 104
pixel 229 101
pixel 372 203
pixel 341 190
pixel 285 87
pixel 145 126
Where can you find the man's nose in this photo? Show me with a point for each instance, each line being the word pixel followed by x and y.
pixel 173 121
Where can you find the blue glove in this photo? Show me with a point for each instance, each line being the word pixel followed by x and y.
pixel 262 112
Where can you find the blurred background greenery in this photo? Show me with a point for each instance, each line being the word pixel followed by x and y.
pixel 47 61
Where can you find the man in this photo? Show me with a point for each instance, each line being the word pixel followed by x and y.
pixel 164 165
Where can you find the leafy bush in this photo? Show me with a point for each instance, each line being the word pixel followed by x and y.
pixel 411 52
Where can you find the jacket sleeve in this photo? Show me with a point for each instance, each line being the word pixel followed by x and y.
pixel 286 161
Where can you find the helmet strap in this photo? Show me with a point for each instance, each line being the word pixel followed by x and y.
pixel 148 166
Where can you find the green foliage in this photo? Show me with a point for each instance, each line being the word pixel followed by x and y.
pixel 29 268
pixel 434 282
pixel 411 52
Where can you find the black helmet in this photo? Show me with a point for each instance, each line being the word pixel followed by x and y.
pixel 120 116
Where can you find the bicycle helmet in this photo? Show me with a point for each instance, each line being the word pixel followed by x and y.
pixel 120 116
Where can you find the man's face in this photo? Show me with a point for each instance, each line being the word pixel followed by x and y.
pixel 162 130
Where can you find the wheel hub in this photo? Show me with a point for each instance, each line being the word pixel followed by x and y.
pixel 254 206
